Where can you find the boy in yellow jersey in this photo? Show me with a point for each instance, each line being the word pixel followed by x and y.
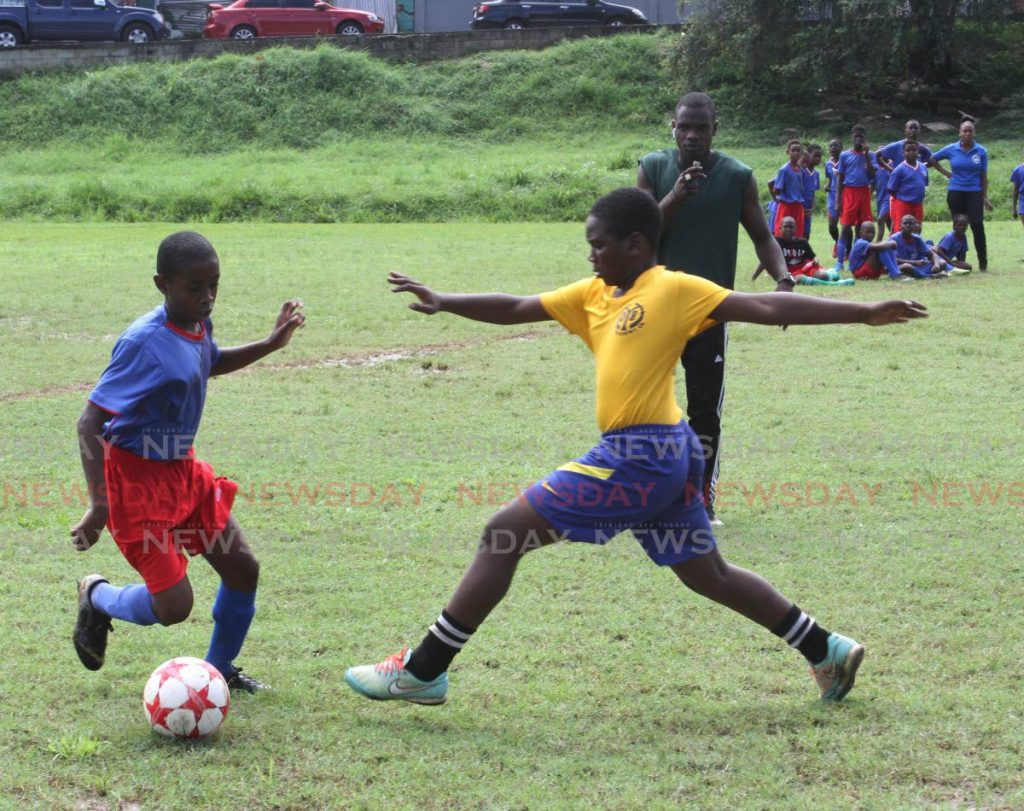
pixel 646 474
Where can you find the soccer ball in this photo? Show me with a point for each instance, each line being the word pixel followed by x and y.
pixel 186 698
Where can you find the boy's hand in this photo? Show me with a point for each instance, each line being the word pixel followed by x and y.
pixel 87 531
pixel 894 312
pixel 289 320
pixel 429 301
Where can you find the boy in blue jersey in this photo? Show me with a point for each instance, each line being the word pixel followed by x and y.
pixel 146 486
pixel 953 246
pixel 788 189
pixel 812 182
pixel 1017 201
pixel 907 185
pixel 835 149
pixel 646 473
pixel 870 259
pixel 854 176
pixel 913 256
pixel 889 158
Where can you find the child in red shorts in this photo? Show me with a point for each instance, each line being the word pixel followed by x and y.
pixel 854 176
pixel 145 485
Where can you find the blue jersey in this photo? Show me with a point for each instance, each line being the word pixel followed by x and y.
pixel 953 246
pixel 155 386
pixel 881 183
pixel 853 167
pixel 1017 179
pixel 913 248
pixel 907 183
pixel 966 165
pixel 894 152
pixel 831 170
pixel 859 253
pixel 789 184
pixel 812 182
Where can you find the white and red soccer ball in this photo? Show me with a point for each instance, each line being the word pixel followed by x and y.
pixel 186 698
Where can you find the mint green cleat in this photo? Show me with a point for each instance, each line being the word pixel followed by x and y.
pixel 836 672
pixel 389 680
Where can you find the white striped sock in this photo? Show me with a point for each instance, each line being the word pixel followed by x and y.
pixel 448 633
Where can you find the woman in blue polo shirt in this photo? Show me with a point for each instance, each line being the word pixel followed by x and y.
pixel 968 185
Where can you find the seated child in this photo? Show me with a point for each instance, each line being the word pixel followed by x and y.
pixel 801 260
pixel 869 259
pixel 913 255
pixel 953 247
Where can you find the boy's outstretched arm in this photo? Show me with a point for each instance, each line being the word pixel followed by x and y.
pixel 237 357
pixel 798 309
pixel 491 308
pixel 92 448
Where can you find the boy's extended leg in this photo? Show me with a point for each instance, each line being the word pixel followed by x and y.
pixel 421 676
pixel 834 659
pixel 99 602
pixel 235 606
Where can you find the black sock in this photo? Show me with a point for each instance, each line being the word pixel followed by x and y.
pixel 444 639
pixel 803 633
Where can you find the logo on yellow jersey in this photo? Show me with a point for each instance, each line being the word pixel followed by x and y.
pixel 630 319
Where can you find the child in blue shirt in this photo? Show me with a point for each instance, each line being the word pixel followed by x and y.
pixel 1017 179
pixel 788 189
pixel 145 485
pixel 953 247
pixel 870 259
pixel 812 182
pixel 913 256
pixel 907 185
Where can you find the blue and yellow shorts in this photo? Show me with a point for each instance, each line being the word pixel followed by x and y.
pixel 645 478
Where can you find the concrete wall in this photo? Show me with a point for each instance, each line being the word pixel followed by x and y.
pixel 80 56
pixel 454 15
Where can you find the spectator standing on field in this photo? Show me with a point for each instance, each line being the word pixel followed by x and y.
pixel 704 195
pixel 968 186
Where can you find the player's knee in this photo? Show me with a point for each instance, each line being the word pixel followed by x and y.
pixel 172 612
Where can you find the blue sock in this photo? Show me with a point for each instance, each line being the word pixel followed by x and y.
pixel 840 252
pixel 232 615
pixel 128 603
pixel 888 260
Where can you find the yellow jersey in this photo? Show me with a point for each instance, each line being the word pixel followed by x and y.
pixel 637 339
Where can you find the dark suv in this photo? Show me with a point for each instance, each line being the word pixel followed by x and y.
pixel 509 14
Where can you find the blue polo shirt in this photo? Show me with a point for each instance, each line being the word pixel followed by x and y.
pixel 953 246
pixel 789 184
pixel 966 165
pixel 155 386
pixel 908 183
pixel 858 253
pixel 853 167
pixel 894 152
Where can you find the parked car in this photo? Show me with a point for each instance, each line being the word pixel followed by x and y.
pixel 511 14
pixel 246 19
pixel 24 21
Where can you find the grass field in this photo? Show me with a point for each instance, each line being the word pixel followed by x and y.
pixel 874 475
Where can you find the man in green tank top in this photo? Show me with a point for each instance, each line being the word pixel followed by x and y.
pixel 704 196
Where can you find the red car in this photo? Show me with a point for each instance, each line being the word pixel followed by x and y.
pixel 246 19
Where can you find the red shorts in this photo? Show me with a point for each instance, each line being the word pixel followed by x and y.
pixel 794 210
pixel 899 209
pixel 808 268
pixel 161 510
pixel 856 206
pixel 865 271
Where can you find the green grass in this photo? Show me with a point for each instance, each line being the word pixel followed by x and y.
pixel 599 682
pixel 329 136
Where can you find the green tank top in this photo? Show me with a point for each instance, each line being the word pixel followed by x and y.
pixel 700 237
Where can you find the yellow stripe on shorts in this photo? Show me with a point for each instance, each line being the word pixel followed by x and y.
pixel 588 470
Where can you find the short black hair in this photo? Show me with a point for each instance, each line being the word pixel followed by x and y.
pixel 965 118
pixel 814 148
pixel 627 211
pixel 699 100
pixel 182 250
pixel 859 128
